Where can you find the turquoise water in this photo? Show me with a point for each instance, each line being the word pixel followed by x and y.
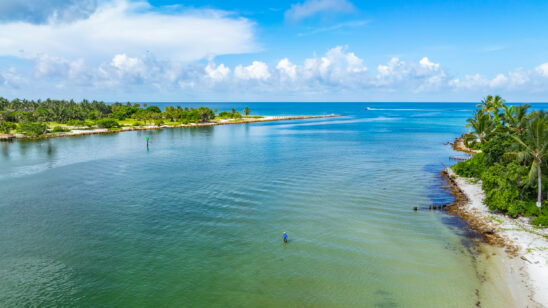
pixel 197 219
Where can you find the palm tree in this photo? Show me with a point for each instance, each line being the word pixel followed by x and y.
pixel 491 105
pixel 515 117
pixel 535 148
pixel 482 125
pixel 246 110
pixel 204 116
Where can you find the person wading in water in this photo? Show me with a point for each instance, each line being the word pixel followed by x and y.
pixel 284 236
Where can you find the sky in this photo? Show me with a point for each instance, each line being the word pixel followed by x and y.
pixel 296 50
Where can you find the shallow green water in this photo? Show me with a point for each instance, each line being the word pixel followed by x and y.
pixel 197 220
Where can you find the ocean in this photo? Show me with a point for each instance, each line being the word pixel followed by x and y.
pixel 197 219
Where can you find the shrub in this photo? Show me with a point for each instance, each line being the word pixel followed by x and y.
pixel 6 126
pixel 123 112
pixel 229 115
pixel 137 124
pixel 541 221
pixel 154 109
pixel 60 129
pixel 159 122
pixel 529 207
pixel 476 146
pixel 32 129
pixel 225 115
pixel 79 123
pixel 495 148
pixel 76 122
pixel 94 115
pixel 470 168
pixel 107 123
pixel 502 186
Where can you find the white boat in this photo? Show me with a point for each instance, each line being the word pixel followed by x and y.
pixel 367 108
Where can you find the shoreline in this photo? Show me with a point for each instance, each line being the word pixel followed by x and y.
pixel 100 131
pixel 521 248
pixel 459 146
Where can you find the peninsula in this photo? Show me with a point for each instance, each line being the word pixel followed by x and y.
pixel 28 119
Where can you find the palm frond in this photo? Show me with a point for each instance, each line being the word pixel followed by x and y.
pixel 532 176
pixel 521 143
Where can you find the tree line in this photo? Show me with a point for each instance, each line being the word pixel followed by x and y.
pixel 513 162
pixel 32 117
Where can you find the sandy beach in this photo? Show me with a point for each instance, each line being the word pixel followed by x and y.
pixel 75 131
pixel 524 248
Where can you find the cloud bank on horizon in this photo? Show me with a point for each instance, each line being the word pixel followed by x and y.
pixel 122 50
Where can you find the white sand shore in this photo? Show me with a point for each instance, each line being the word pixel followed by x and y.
pixel 82 131
pixel 527 268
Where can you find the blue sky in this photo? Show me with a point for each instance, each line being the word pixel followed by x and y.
pixel 308 50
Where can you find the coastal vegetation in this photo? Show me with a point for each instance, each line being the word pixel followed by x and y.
pixel 37 118
pixel 513 162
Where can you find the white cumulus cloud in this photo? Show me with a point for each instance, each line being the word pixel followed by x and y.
pixel 499 81
pixel 51 67
pixel 338 74
pixel 518 80
pixel 127 65
pixel 257 70
pixel 336 67
pixel 542 69
pixel 287 68
pixel 218 73
pixel 131 28
pixel 428 66
pixel 417 77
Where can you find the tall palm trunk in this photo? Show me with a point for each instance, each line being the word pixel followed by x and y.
pixel 539 173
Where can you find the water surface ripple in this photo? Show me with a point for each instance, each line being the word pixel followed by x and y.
pixel 197 220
